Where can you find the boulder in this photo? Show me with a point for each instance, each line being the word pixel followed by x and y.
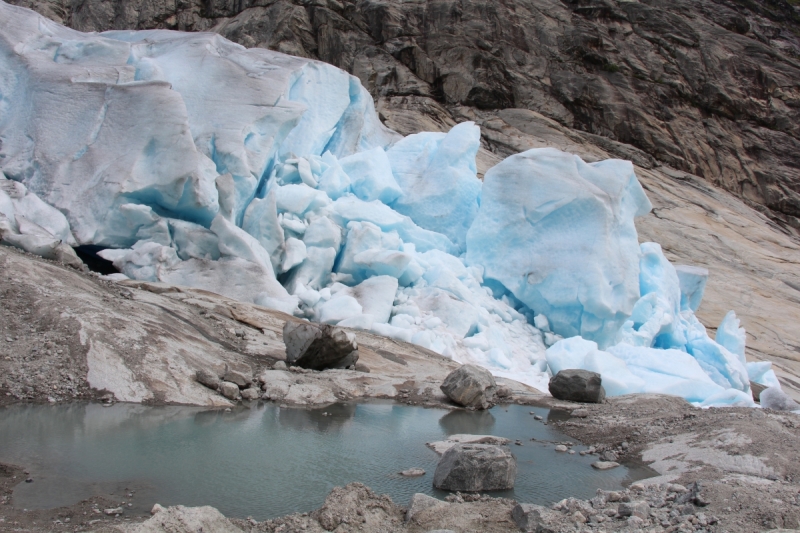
pixel 422 502
pixel 470 386
pixel 476 467
pixel 250 394
pixel 319 346
pixel 774 398
pixel 229 390
pixel 208 379
pixel 577 385
pixel 239 373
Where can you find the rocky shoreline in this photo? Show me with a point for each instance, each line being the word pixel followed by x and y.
pixel 721 470
pixel 71 331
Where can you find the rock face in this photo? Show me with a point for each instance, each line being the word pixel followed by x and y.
pixel 706 86
pixel 470 386
pixel 577 385
pixel 319 346
pixel 476 467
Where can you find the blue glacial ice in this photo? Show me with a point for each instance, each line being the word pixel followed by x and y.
pixel 270 179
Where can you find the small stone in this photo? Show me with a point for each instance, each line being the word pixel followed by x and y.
pixel 413 472
pixel 156 509
pixel 636 508
pixel 113 511
pixel 578 517
pixel 561 448
pixel 624 445
pixel 29 480
pixel 636 522
pixel 674 487
pixel 604 465
pixel 361 367
pixel 537 417
pixel 609 456
pixel 279 365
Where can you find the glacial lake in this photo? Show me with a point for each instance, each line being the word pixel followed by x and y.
pixel 266 461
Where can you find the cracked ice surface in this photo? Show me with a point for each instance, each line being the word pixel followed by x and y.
pixel 270 179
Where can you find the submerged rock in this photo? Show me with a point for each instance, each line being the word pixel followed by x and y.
pixel 577 385
pixel 470 386
pixel 476 467
pixel 319 346
pixel 604 465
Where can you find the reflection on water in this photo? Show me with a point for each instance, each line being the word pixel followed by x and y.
pixel 470 422
pixel 264 461
pixel 329 419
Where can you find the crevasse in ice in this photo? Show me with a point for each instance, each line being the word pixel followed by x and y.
pixel 270 179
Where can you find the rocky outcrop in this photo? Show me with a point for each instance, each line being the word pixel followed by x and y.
pixel 476 467
pixel 319 346
pixel 470 386
pixel 180 519
pixel 577 385
pixel 710 87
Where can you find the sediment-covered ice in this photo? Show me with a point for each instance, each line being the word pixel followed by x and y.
pixel 270 179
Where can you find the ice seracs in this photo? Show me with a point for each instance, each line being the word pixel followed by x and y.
pixel 269 179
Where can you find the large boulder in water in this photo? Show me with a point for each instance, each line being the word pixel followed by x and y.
pixel 319 347
pixel 470 386
pixel 476 467
pixel 577 385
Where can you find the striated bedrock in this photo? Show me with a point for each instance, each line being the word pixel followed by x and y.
pixel 710 87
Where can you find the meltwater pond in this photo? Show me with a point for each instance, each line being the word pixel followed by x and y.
pixel 265 461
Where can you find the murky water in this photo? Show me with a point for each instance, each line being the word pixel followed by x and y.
pixel 264 461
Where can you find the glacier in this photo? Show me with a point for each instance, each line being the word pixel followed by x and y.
pixel 268 178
